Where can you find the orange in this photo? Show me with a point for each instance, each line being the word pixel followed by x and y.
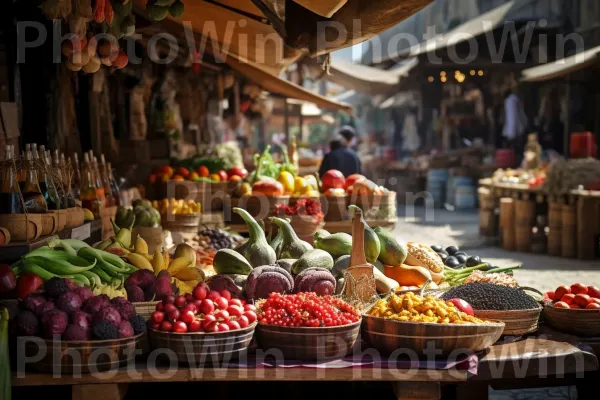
pixel 178 178
pixel 203 171
pixel 184 172
pixel 215 177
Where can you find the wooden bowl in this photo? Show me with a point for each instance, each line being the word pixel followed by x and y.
pixel 517 322
pixel 303 343
pixel 387 335
pixel 203 348
pixel 578 322
pixel 78 356
pixel 22 227
pixel 49 224
pixel 75 217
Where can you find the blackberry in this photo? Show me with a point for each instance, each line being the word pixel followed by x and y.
pixel 139 324
pixel 487 296
pixel 105 330
pixel 55 287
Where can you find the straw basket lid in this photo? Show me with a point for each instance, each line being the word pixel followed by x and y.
pixel 579 322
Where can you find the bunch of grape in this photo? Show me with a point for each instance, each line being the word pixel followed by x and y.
pixel 218 239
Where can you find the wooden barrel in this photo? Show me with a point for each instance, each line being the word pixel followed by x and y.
pixel 569 231
pixel 486 199
pixel 524 213
pixel 588 227
pixel 507 222
pixel 187 223
pixel 523 236
pixel 554 229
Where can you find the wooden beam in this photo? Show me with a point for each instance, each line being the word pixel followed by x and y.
pixel 286 116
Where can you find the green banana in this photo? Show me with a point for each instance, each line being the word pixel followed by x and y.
pixel 104 277
pixel 92 277
pixel 59 266
pixel 81 279
pixel 31 268
pixel 75 243
pixel 59 244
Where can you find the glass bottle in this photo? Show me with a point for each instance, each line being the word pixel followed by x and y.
pixel 114 186
pixel 62 189
pixel 100 195
pixel 68 175
pixel 10 200
pixel 46 186
pixel 30 188
pixel 88 188
pixel 76 179
pixel 109 200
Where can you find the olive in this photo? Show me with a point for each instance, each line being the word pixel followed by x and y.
pixel 436 248
pixel 443 255
pixel 452 250
pixel 452 262
pixel 443 252
pixel 487 267
pixel 473 261
pixel 461 253
pixel 461 258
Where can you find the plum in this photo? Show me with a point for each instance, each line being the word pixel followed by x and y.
pixel 27 323
pixel 75 332
pixel 69 302
pixel 54 322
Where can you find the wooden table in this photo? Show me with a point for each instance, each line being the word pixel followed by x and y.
pixel 537 361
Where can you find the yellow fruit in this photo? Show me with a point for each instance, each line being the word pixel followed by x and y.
pixel 158 262
pixel 87 215
pixel 189 274
pixel 311 181
pixel 178 264
pixel 300 185
pixel 139 261
pixel 287 181
pixel 167 259
pixel 244 189
pixel 182 286
pixel 140 247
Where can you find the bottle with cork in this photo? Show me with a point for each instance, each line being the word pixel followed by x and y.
pixel 88 192
pixel 30 188
pixel 10 199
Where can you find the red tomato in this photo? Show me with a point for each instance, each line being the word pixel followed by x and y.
pixel 203 171
pixel 581 300
pixel 222 303
pixel 593 291
pixel 352 179
pixel 226 294
pixel 579 288
pixel 184 172
pixel 195 326
pixel 561 304
pixel 222 327
pixel 187 316
pixel 568 298
pixel 223 175
pixel 27 284
pixel 235 311
pixel 243 321
pixel 574 306
pixel 560 292
pixel 222 315
pixel 238 171
pixel 462 306
pixel 593 306
pixel 233 325
pixel 213 295
pixel 200 292
pixel 595 300
pixel 207 306
pixel 251 315
pixel 333 179
pixel 548 296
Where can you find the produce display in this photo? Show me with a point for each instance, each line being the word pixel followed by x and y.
pixel 303 207
pixel 210 170
pixel 566 175
pixel 487 296
pixel 576 296
pixel 411 307
pixel 75 313
pixel 216 239
pixel 176 207
pixel 204 310
pixel 305 309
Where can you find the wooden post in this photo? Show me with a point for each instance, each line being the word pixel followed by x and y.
pixel 236 101
pixel 359 268
pixel 286 120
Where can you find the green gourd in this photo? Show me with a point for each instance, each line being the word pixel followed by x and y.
pixel 257 251
pixel 228 261
pixel 372 245
pixel 338 244
pixel 313 259
pixel 292 246
pixel 393 252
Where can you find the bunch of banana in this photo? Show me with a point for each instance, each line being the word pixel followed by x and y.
pixel 182 269
pixel 114 289
pixel 116 244
pixel 176 207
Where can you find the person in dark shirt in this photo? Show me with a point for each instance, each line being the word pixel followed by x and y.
pixel 341 157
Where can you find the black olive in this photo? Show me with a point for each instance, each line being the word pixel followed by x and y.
pixel 443 255
pixel 452 250
pixel 461 258
pixel 452 262
pixel 487 267
pixel 461 253
pixel 443 252
pixel 473 261
pixel 436 248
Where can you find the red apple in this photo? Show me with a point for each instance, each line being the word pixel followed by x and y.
pixel 207 306
pixel 333 179
pixel 352 179
pixel 462 306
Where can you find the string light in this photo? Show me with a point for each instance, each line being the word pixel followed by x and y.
pixel 480 72
pixel 430 79
pixel 443 79
pixel 472 72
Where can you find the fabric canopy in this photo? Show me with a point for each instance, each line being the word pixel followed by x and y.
pixel 324 8
pixel 562 67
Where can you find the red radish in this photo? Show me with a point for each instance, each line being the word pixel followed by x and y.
pixel 243 321
pixel 169 300
pixel 207 306
pixel 223 327
pixel 211 326
pixel 249 307
pixel 561 291
pixel 213 295
pixel 158 317
pixel 173 315
pixel 160 306
pixel 180 327
pixel 222 315
pixel 222 303
pixel 233 325
pixel 593 291
pixel 195 326
pixel 333 179
pixel 251 315
pixel 170 308
pixel 166 326
pixel 192 307
pixel 200 292
pixel 189 298
pixel 208 319
pixel 225 293
pixel 235 302
pixel 578 288
pixel 187 316
pixel 155 326
pixel 180 301
pixel 462 306
pixel 235 311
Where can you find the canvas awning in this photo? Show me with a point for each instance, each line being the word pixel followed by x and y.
pixel 324 8
pixel 562 67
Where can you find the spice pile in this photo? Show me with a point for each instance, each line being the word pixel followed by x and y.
pixel 302 207
pixel 487 296
pixel 499 278
pixel 412 308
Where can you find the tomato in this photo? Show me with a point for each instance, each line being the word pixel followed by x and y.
pixel 561 291
pixel 203 171
pixel 581 300
pixel 243 321
pixel 195 326
pixel 568 298
pixel 158 317
pixel 238 171
pixel 595 300
pixel 167 171
pixel 593 306
pixel 463 306
pixel 223 175
pixel 333 179
pixel 187 316
pixel 222 303
pixel 183 172
pixel 579 288
pixel 561 304
pixel 180 327
pixel 200 292
pixel 226 294
pixel 251 315
pixel 222 327
pixel 593 291
pixel 180 301
pixel 207 306
pixel 222 315
pixel 235 302
pixel 233 325
pixel 548 296
pixel 27 284
pixel 166 326
pixel 235 311
pixel 574 306
pixel 8 281
pixel 352 179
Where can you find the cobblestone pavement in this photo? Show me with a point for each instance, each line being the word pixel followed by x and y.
pixel 461 229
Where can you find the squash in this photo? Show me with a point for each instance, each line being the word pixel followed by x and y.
pixel 407 275
pixel 292 246
pixel 256 250
pixel 268 188
pixel 384 284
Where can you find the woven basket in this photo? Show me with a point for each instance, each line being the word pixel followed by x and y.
pixel 145 308
pixel 259 206
pixel 578 322
pixel 181 223
pixel 517 322
pixel 306 226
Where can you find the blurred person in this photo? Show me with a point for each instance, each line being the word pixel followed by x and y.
pixel 551 126
pixel 515 121
pixel 341 158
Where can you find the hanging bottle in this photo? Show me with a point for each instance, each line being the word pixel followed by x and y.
pixel 68 176
pixel 46 184
pixel 30 188
pixel 59 173
pixel 76 179
pixel 10 200
pixel 88 187
pixel 100 195
pixel 109 200
pixel 114 186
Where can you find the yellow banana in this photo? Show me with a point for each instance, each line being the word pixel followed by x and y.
pixel 167 258
pixel 183 287
pixel 178 264
pixel 191 284
pixel 139 261
pixel 158 262
pixel 188 274
pixel 140 247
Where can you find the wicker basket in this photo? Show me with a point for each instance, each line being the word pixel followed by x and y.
pixel 335 208
pixel 305 226
pixel 260 207
pixel 145 308
pixel 376 206
pixel 577 322
pixel 188 223
pixel 203 348
pixel 77 356
pixel 302 343
pixel 22 227
pixel 517 322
